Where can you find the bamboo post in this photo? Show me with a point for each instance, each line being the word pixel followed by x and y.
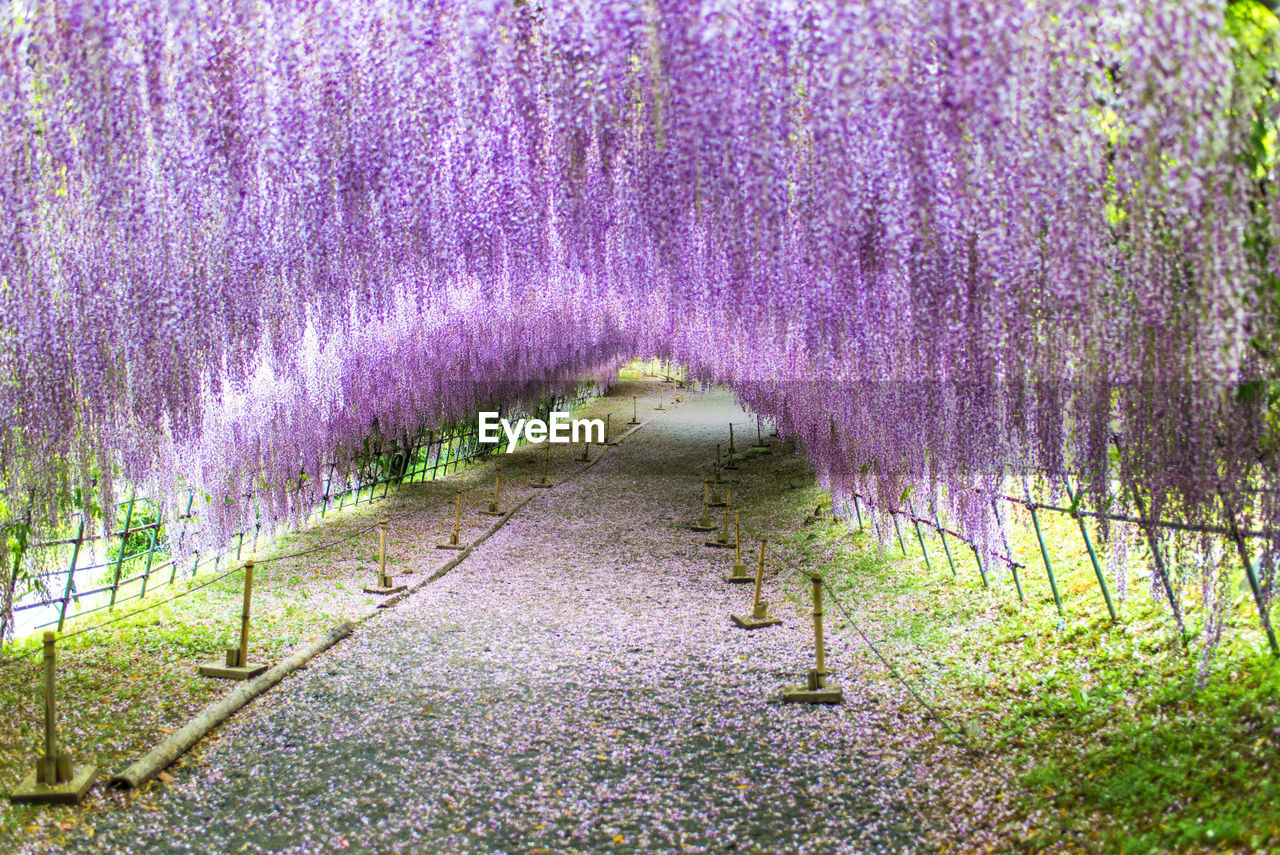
pixel 857 510
pixel 661 396
pixel 495 505
pixel 816 690
pixel 151 552
pixel 730 465
pixel 71 572
pixel 235 665
pixel 55 780
pixel 242 657
pixel 755 602
pixel 585 457
pixel 1044 553
pixel 455 536
pixel 761 446
pixel 635 413
pixel 1153 541
pixel 819 676
pixel 173 564
pixel 714 482
pixel 1088 544
pixel 982 570
pixel 328 483
pixel 50 759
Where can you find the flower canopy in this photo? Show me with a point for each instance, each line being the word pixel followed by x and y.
pixel 941 242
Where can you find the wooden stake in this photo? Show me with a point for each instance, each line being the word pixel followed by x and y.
pixel 739 572
pixel 546 462
pixel 495 507
pixel 50 759
pixel 704 524
pixel 235 665
pixel 455 540
pixel 755 603
pixel 54 780
pixel 731 465
pixel 242 657
pixel 759 617
pixel 816 691
pixel 722 541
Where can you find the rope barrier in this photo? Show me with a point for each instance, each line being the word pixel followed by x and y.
pixel 937 716
pixel 875 649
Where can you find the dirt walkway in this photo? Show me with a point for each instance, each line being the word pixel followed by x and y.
pixel 575 685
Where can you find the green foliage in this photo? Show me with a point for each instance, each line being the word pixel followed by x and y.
pixel 1111 736
pixel 139 539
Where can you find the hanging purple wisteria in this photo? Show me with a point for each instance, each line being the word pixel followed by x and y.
pixel 940 242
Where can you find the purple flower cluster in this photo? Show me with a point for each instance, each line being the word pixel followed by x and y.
pixel 938 242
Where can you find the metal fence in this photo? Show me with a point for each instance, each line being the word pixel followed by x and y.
pixel 140 566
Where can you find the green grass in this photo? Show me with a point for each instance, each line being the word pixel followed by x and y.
pixel 1103 735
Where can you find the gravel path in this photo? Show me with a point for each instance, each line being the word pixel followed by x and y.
pixel 575 685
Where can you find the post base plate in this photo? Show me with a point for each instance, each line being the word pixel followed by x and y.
pixel 748 622
pixel 804 695
pixel 222 670
pixel 385 592
pixel 29 792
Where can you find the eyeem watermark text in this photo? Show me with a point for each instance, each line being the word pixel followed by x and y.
pixel 561 428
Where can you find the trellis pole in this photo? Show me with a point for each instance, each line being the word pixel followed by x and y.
pixel 919 536
pixel 71 572
pixel 942 535
pixel 1088 545
pixel 1243 551
pixel 1013 563
pixel 1044 553
pixel 124 537
pixel 901 543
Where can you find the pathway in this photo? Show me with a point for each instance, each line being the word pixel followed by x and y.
pixel 575 685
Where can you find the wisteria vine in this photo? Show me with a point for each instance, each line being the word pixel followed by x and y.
pixel 941 242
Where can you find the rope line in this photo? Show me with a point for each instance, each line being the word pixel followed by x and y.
pixel 938 717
